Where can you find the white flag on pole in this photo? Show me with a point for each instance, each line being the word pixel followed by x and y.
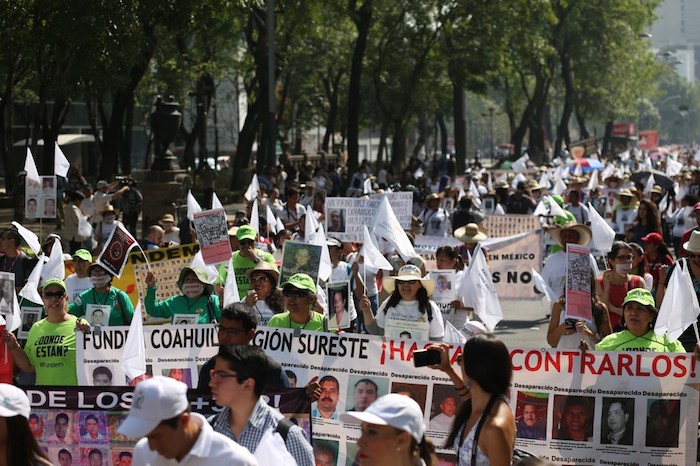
pixel 520 165
pixel 602 234
pixel 372 257
pixel 30 168
pixel 559 187
pixel 325 267
pixel 255 216
pixel 310 225
pixel 231 287
pixel 61 165
pixel 29 236
pixel 543 287
pixel 673 167
pixel 679 308
pixel 484 299
pixel 54 268
pixel 193 206
pixel 593 182
pixel 651 181
pixel 271 220
pixel 253 189
pixel 133 360
pixel 30 290
pixel 387 226
pixel 215 202
pixel 554 208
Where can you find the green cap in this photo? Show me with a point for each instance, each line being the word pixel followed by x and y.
pixel 246 232
pixel 558 199
pixel 83 254
pixel 201 275
pixel 301 281
pixel 641 296
pixel 55 282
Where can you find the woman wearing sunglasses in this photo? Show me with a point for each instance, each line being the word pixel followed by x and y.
pixel 408 311
pixel 612 286
pixel 299 299
pixel 264 298
pixel 50 347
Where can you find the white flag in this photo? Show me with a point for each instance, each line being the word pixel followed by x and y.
pixel 578 170
pixel 325 267
pixel 14 320
pixel 559 187
pixel 231 287
pixel 386 225
pixel 54 268
pixel 485 300
pixel 30 168
pixel 418 174
pixel 271 220
pixel 543 287
pixel 30 291
pixel 602 234
pixel 593 182
pixel 255 217
pixel 651 181
pixel 193 206
pixel 372 257
pixel 61 165
pixel 29 236
pixel 520 165
pixel 673 167
pixel 198 262
pixel 253 189
pixel 310 226
pixel 452 335
pixel 133 360
pixel 367 186
pixel 215 202
pixel 554 208
pixel 609 170
pixel 679 308
pixel 544 180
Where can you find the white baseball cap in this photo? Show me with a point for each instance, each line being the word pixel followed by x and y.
pixel 472 328
pixel 155 400
pixel 393 410
pixel 13 402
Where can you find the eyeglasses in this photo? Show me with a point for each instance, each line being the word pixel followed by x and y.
pixel 258 279
pixel 218 376
pixel 53 294
pixel 246 241
pixel 294 293
pixel 229 330
pixel 624 258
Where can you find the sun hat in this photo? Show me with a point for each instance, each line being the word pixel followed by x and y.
pixel 201 275
pixel 693 244
pixel 407 273
pixel 334 242
pixel 155 400
pixel 233 231
pixel 641 296
pixel 108 208
pixel 97 265
pixel 584 233
pixel 51 237
pixel 246 232
pixel 266 267
pixel 13 401
pixel 657 189
pixel 54 282
pixel 167 218
pixel 624 193
pixel 399 411
pixel 300 281
pixel 470 233
pixel 83 254
pixel 653 238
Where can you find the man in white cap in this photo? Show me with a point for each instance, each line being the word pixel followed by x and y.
pixel 160 413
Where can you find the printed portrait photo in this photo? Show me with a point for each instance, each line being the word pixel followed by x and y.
pixel 617 421
pixel 573 418
pixel 183 375
pixel 531 415
pixel 663 418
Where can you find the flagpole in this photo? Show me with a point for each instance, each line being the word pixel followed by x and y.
pixel 697 334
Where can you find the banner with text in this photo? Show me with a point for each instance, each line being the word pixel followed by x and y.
pixel 345 217
pixel 402 203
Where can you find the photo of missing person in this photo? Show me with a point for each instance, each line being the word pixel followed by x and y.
pixel 94 456
pixel 444 408
pixel 663 418
pixel 122 457
pixel 335 221
pixel 37 422
pixel 93 427
pixel 49 208
pixel 364 391
pixel 98 315
pixel 102 376
pixel 446 459
pixel 30 208
pixel 298 257
pixel 30 315
pixel 617 421
pixel 327 404
pixel 417 392
pixel 531 415
pixel 338 304
pixel 61 428
pixel 183 375
pixel 325 452
pixel 64 455
pixel 573 418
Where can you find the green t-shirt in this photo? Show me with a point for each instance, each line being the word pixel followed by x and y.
pixel 316 324
pixel 625 341
pixel 183 305
pixel 50 349
pixel 240 265
pixel 115 298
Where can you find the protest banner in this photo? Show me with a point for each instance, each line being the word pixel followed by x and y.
pixel 212 235
pixel 345 217
pixel 652 386
pixel 298 257
pixel 79 425
pixel 116 252
pixel 508 225
pixel 40 200
pixel 402 204
pixel 578 283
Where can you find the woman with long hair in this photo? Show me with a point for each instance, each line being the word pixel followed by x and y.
pixel 647 221
pixel 264 298
pixel 567 333
pixel 393 433
pixel 409 301
pixel 18 447
pixel 657 256
pixel 483 432
pixel 612 286
pixel 640 266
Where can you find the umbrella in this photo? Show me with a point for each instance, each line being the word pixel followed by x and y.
pixel 659 177
pixel 587 164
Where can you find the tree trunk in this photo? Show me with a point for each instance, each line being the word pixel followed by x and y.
pixel 398 144
pixel 244 150
pixel 440 120
pixel 7 116
pixel 569 95
pixel 460 124
pixel 607 138
pixel 125 158
pixel 581 120
pixel 422 131
pixel 381 149
pixel 332 94
pixel 362 18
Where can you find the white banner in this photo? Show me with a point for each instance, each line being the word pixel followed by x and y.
pixel 402 203
pixel 345 217
pixel 569 405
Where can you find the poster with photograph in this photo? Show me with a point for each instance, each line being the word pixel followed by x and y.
pixel 339 297
pixel 185 319
pixel 578 283
pixel 298 257
pixel 445 289
pixel 98 314
pixel 7 294
pixel 30 315
pixel 347 216
pixel 40 200
pixel 318 203
pixel 212 235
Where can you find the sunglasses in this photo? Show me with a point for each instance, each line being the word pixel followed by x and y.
pixel 294 293
pixel 246 241
pixel 54 294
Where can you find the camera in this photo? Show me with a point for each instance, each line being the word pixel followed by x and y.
pixel 571 323
pixel 426 357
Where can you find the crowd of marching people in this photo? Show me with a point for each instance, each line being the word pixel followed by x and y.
pixel 650 207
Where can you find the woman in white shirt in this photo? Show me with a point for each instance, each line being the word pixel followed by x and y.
pixel 264 297
pixel 408 311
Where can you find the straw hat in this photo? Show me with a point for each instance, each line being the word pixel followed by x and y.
pixel 408 273
pixel 262 266
pixel 108 208
pixel 657 189
pixel 470 233
pixel 693 244
pixel 624 193
pixel 167 218
pixel 584 233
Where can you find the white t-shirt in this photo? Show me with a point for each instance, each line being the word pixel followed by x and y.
pixel 408 311
pixel 76 285
pixel 263 311
pixel 99 202
pixel 210 449
pixel 436 222
pixel 554 272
